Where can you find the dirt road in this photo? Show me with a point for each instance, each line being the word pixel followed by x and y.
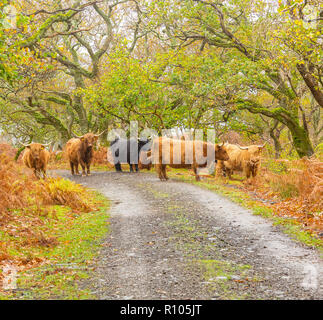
pixel 172 240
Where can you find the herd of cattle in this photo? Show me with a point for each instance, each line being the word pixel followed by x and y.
pixel 160 152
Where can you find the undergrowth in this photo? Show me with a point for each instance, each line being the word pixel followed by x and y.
pixel 69 261
pixel 39 216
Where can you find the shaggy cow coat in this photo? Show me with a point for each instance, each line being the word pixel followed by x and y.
pixel 80 151
pixel 185 154
pixel 242 159
pixel 36 157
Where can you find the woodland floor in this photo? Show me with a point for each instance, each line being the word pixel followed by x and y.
pixel 174 240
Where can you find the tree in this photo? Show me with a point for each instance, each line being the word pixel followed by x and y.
pixel 244 34
pixel 70 43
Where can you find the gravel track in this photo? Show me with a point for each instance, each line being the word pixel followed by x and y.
pixel 173 240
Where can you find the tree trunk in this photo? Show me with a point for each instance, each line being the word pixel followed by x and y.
pixel 301 140
pixel 78 104
pixel 300 136
pixel 277 144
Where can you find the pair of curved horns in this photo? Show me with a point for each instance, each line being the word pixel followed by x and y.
pixel 27 145
pixel 96 135
pixel 246 148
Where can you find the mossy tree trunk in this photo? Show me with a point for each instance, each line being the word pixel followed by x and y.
pixel 300 136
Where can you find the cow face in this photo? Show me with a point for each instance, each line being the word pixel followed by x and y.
pixel 254 162
pixel 89 140
pixel 221 153
pixel 254 165
pixel 144 144
pixel 255 150
pixel 36 150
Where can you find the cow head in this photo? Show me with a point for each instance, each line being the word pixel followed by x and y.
pixel 255 161
pixel 35 149
pixel 221 152
pixel 89 140
pixel 254 165
pixel 144 144
pixel 254 149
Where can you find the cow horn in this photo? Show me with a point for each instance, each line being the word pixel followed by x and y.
pixel 222 144
pixel 263 145
pixel 47 144
pixel 98 135
pixel 76 136
pixel 243 148
pixel 25 145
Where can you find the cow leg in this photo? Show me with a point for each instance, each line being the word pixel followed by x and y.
pixel 158 168
pixel 163 169
pixel 197 177
pixel 83 168
pixel 36 172
pixel 136 167
pixel 77 168
pixel 131 167
pixel 88 169
pixel 248 173
pixel 220 169
pixel 43 171
pixel 255 171
pixel 117 166
pixel 72 168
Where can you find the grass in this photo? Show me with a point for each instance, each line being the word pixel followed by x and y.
pixel 78 237
pixel 219 274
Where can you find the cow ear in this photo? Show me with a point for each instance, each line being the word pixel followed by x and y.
pixel 42 147
pixel 81 138
pixel 28 147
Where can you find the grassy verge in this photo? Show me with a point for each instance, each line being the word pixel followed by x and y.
pixel 77 240
pixel 289 226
